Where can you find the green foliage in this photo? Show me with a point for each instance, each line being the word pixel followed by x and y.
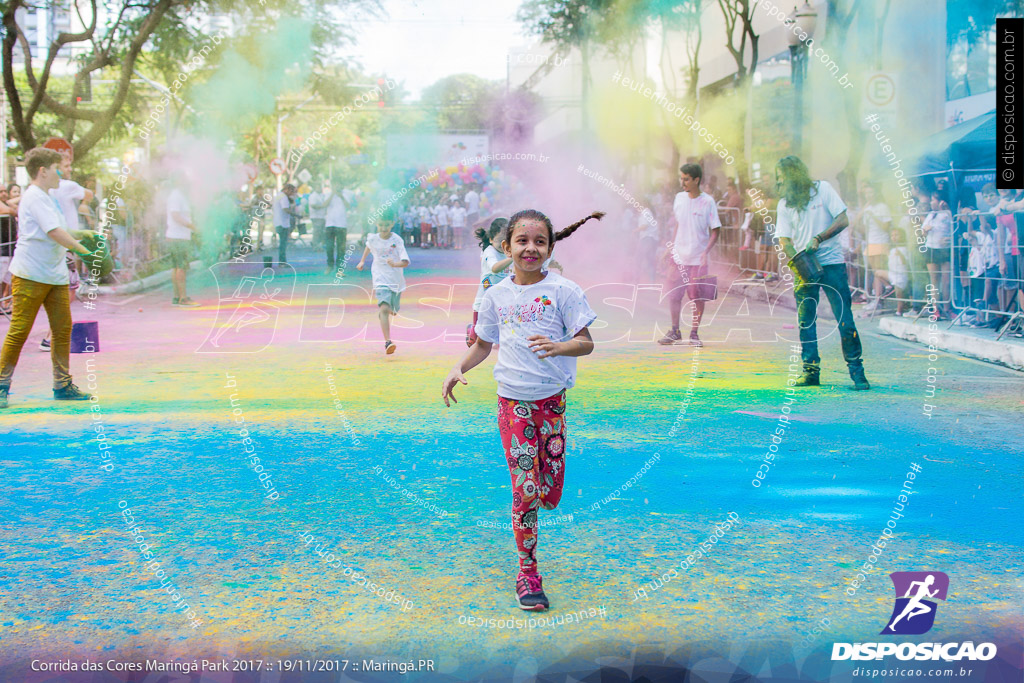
pixel 461 102
pixel 772 110
pixel 566 23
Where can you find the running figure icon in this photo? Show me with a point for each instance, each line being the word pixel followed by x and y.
pixel 917 595
pixel 915 607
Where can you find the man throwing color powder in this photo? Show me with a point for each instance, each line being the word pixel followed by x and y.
pixel 811 216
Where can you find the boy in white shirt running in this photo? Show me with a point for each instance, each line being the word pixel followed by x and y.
pixel 389 258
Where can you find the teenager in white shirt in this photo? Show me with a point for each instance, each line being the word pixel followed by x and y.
pixel 472 202
pixel 336 225
pixel 180 229
pixel 540 319
pixel 457 216
pixel 696 235
pixel 444 232
pixel 69 194
pixel 40 277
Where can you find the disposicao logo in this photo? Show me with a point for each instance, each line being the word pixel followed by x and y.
pixel 914 614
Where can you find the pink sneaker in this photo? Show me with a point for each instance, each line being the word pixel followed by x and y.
pixel 530 592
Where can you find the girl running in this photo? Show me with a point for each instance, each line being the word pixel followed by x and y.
pixel 493 267
pixel 541 321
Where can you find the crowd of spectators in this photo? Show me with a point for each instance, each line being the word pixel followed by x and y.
pixel 960 250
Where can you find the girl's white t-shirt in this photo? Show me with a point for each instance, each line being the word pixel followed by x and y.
pixel 509 313
pixel 488 257
pixel 899 264
pixel 941 223
pixel 877 219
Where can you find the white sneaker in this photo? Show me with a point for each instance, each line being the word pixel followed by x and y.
pixel 44 345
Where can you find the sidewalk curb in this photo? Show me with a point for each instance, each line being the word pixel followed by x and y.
pixel 1009 354
pixel 145 283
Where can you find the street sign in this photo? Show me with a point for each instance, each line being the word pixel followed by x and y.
pixel 880 91
pixel 277 166
pixel 60 145
pixel 880 97
pixel 305 175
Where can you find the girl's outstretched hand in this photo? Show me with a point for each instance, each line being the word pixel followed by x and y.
pixel 543 346
pixel 449 385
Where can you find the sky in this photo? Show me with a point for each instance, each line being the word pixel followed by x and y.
pixel 424 40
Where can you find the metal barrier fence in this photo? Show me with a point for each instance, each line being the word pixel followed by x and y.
pixel 750 250
pixel 989 299
pixel 8 236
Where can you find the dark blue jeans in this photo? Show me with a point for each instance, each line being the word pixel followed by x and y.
pixel 282 244
pixel 837 289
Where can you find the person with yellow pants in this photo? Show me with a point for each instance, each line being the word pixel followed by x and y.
pixel 40 277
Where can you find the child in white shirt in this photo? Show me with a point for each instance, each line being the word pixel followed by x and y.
pixel 389 259
pixel 494 267
pixel 540 321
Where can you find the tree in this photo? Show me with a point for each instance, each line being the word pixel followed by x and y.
pixel 568 24
pixel 739 18
pixel 675 16
pixel 117 45
pixel 124 37
pixel 741 13
pixel 461 102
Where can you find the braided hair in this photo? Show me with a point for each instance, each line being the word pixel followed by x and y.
pixel 485 235
pixel 533 214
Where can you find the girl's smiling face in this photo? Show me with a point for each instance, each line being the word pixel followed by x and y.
pixel 529 246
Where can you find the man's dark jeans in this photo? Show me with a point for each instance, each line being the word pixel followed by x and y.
pixel 282 244
pixel 837 289
pixel 335 239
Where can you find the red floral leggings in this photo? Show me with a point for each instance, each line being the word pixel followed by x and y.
pixel 533 434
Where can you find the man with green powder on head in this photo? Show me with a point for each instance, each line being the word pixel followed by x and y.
pixel 810 217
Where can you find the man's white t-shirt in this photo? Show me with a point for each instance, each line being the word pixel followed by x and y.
pixel 509 313
pixel 878 220
pixel 488 258
pixel 458 217
pixel 801 226
pixel 696 218
pixel 177 202
pixel 337 214
pixel 317 198
pixel 69 195
pixel 36 256
pixel 424 215
pixel 441 215
pixel 282 219
pixel 472 201
pixel 392 248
